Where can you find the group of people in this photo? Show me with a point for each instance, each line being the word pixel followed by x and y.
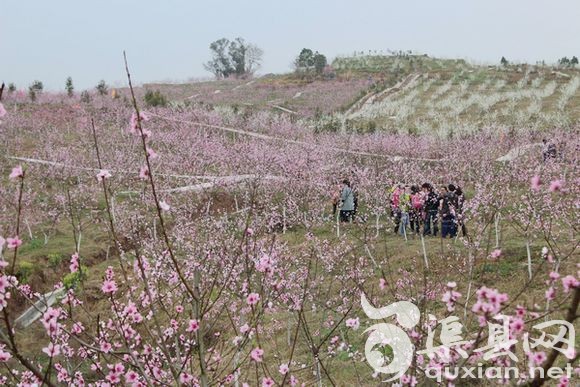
pixel 414 209
pixel 421 209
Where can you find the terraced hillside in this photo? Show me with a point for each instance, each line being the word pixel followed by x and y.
pixel 466 100
pixel 402 93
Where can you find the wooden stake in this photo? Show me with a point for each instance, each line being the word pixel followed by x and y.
pixel 424 251
pixel 529 258
pixel 497 230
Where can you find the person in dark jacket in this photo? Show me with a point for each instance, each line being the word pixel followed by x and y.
pixel 431 206
pixel 447 206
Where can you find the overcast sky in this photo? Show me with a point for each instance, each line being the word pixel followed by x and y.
pixel 169 39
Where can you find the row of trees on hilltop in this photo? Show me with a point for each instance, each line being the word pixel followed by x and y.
pixel 241 59
pixel 308 60
pixel 37 88
pixel 565 62
pixel 102 88
pixel 562 62
pixel 151 98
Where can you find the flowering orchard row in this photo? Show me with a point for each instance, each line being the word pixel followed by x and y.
pixel 254 283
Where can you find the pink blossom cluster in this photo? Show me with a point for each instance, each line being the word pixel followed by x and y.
pixel 489 303
pixel 109 284
pixel 451 296
pixel 74 263
pixel 555 185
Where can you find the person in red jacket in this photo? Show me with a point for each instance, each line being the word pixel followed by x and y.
pixel 395 195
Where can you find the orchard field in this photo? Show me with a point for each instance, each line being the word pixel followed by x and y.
pixel 194 243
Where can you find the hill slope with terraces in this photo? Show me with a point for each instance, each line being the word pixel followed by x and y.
pixel 409 94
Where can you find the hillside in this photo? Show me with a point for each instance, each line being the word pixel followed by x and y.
pixel 458 97
pixel 408 94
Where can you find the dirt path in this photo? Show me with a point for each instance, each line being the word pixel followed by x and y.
pixel 113 171
pixel 290 141
pixel 284 109
pixel 516 152
pixel 226 180
pixel 371 98
pixel 268 137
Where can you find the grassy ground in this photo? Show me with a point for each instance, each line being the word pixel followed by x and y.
pixel 396 258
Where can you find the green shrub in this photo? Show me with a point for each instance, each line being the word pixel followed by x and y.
pixel 37 86
pixel 413 131
pixel 36 243
pixel 71 280
pixel 328 125
pixel 371 126
pixel 69 87
pixel 102 87
pixel 85 97
pixel 24 270
pixel 32 245
pixel 360 126
pixel 155 98
pixel 54 260
pixel 503 267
